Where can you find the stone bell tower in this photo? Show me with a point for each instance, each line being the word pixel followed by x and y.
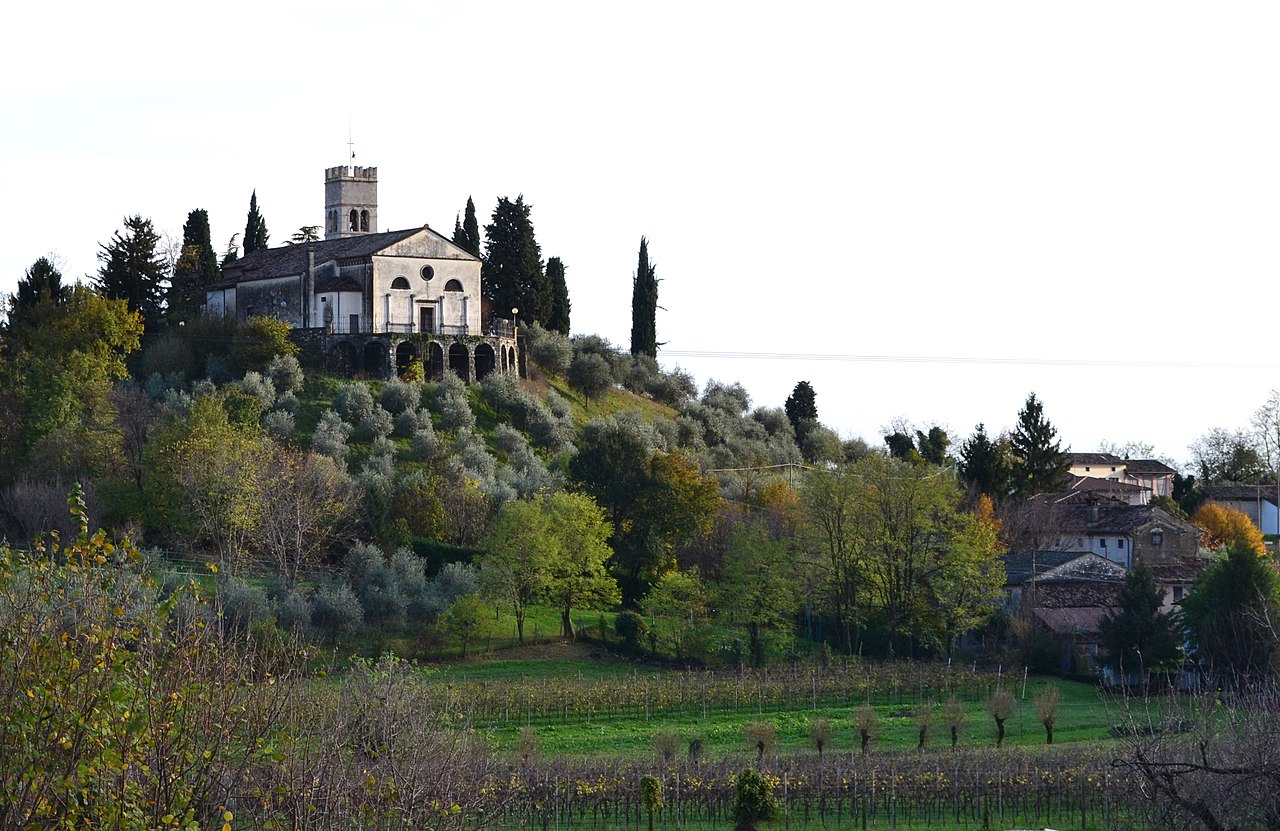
pixel 350 201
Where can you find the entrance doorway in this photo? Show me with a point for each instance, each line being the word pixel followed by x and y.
pixel 426 319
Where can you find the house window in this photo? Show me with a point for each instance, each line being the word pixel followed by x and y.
pixel 1086 468
pixel 1157 538
pixel 400 283
pixel 1103 542
pixel 1120 544
pixel 453 285
pixel 1177 594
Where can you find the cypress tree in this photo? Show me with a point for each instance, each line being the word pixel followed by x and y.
pixel 558 314
pixel 255 228
pixel 513 263
pixel 644 306
pixel 133 271
pixel 196 269
pixel 801 408
pixel 471 229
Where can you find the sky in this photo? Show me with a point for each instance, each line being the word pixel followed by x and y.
pixel 928 210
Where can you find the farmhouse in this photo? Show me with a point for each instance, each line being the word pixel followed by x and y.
pixel 364 301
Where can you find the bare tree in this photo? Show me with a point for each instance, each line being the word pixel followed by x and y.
pixel 307 506
pixel 1000 706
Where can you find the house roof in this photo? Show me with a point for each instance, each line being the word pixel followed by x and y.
pixel 1093 483
pixel 1149 466
pixel 1186 571
pixel 1018 568
pixel 291 260
pixel 340 283
pixel 1076 594
pixel 1240 493
pixel 1080 622
pixel 1094 459
pixel 1117 518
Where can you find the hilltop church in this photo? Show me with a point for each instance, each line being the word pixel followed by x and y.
pixel 363 301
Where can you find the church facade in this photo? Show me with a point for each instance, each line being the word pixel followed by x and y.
pixel 367 302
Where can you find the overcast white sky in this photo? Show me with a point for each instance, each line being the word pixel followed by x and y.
pixel 1077 199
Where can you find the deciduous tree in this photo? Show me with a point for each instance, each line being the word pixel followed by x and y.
pixel 1226 527
pixel 758 588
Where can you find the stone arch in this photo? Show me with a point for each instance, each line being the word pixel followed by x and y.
pixel 453 285
pixel 435 361
pixel 486 360
pixel 376 354
pixel 406 353
pixel 342 358
pixel 460 361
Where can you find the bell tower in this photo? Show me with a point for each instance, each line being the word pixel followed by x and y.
pixel 350 201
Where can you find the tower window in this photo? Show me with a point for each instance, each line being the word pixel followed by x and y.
pixel 364 225
pixel 354 219
pixel 400 283
pixel 453 285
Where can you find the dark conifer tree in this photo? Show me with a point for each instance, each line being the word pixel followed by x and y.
pixel 513 274
pixel 196 269
pixel 132 270
pixel 255 228
pixel 1138 635
pixel 1039 463
pixel 801 408
pixel 984 463
pixel 41 284
pixel 558 314
pixel 644 306
pixel 470 229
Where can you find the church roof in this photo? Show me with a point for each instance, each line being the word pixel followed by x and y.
pixel 291 260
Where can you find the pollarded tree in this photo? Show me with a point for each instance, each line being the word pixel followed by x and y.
pixel 1138 635
pixel 558 313
pixel 1039 463
pixel 196 268
pixel 255 228
pixel 133 270
pixel 513 273
pixel 644 306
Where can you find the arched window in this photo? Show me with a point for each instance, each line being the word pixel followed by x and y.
pixel 400 283
pixel 354 219
pixel 453 285
pixel 364 220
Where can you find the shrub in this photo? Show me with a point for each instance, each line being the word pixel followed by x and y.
pixel 336 611
pixel 753 802
pixel 259 340
pixel 455 413
pixel 292 612
pixel 286 401
pixel 353 402
pixel 590 374
pixel 425 445
pixel 279 425
pixel 547 348
pixel 260 387
pixel 398 396
pixel 412 421
pixel 286 373
pixel 630 628
pixel 376 425
pixel 330 437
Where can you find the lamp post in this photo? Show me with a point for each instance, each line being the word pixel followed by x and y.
pixel 515 328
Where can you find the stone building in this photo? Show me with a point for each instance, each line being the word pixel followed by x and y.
pixel 367 302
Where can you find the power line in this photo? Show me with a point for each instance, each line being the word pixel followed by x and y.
pixel 972 359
